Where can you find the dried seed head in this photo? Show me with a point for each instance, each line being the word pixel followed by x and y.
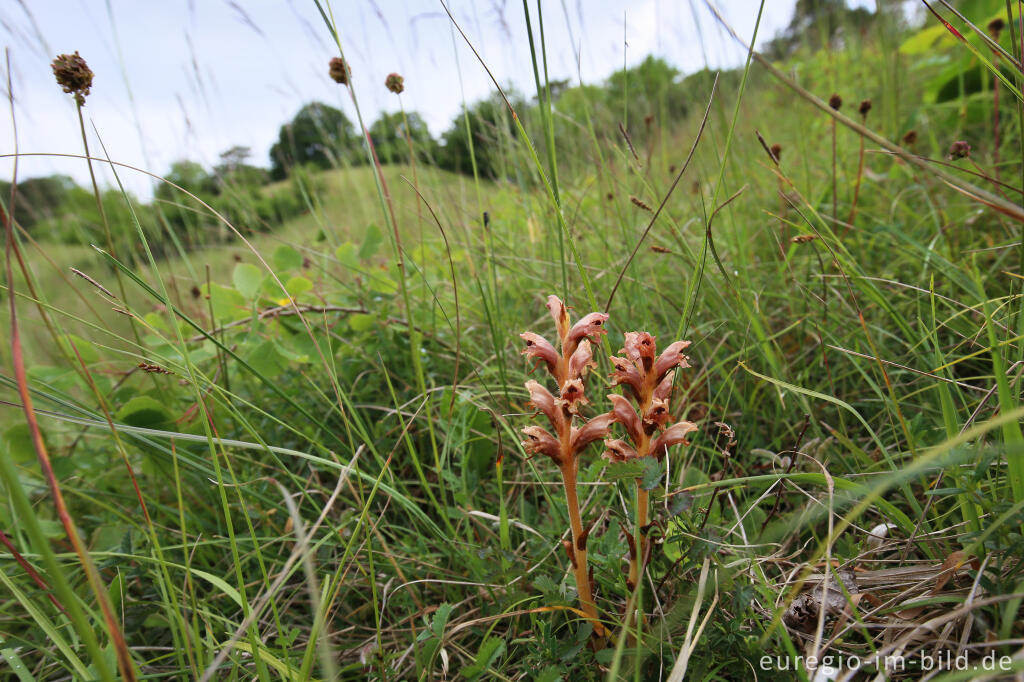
pixel 803 238
pixel 835 101
pixel 776 150
pixel 996 26
pixel 73 75
pixel 637 201
pixel 910 137
pixel 865 107
pixel 648 120
pixel 394 83
pixel 339 71
pixel 959 150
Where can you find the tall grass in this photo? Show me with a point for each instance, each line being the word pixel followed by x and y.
pixel 295 454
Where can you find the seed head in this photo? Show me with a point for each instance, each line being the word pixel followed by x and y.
pixel 959 150
pixel 835 101
pixel 339 71
pixel 865 107
pixel 776 150
pixel 394 83
pixel 73 75
pixel 910 137
pixel 996 26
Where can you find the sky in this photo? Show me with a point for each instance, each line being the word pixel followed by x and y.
pixel 188 79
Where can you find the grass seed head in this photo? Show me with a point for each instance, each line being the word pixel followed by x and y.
pixel 394 83
pixel 959 150
pixel 339 71
pixel 835 101
pixel 73 75
pixel 865 107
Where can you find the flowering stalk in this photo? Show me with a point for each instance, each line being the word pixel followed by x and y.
pixel 647 379
pixel 568 366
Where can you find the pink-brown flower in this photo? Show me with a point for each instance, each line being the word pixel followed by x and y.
pixel 625 373
pixel 538 441
pixel 672 357
pixel 581 360
pixel 657 416
pixel 640 348
pixel 591 326
pixel 673 435
pixel 618 450
pixel 540 349
pixel 542 400
pixel 593 430
pixel 559 314
pixel 664 389
pixel 624 414
pixel 571 396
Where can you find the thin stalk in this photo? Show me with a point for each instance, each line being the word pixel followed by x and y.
pixel 860 175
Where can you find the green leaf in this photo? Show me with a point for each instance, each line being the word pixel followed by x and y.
pixel 371 242
pixel 286 258
pixel 247 279
pixel 347 254
pixel 145 412
pixel 361 322
pixel 549 674
pixel 16 443
pixel 652 473
pixel 382 284
pixel 265 358
pixel 296 286
pixel 228 304
pixel 441 616
pixel 85 348
pixel 490 649
pixel 620 471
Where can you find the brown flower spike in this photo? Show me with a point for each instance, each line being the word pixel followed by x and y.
pixel 394 83
pixel 647 379
pixel 339 71
pixel 568 366
pixel 73 75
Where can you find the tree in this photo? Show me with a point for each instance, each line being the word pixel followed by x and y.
pixel 649 88
pixel 38 198
pixel 319 135
pixel 492 130
pixel 818 24
pixel 190 176
pixel 388 135
pixel 234 171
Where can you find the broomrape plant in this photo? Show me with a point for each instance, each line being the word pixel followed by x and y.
pixel 646 378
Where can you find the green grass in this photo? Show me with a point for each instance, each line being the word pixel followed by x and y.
pixel 330 479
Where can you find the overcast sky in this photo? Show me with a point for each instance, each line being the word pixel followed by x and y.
pixel 190 78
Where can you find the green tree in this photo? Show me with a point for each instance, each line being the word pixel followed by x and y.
pixel 38 199
pixel 388 135
pixel 320 135
pixel 492 130
pixel 650 88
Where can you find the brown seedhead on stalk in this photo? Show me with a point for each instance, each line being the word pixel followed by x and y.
pixel 864 108
pixel 73 75
pixel 776 150
pixel 835 101
pixel 995 27
pixel 644 411
pixel 909 138
pixel 568 365
pixel 959 150
pixel 394 83
pixel 339 71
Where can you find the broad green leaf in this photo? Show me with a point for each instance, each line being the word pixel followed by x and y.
pixel 228 304
pixel 144 411
pixel 286 258
pixel 16 442
pixel 371 242
pixel 85 349
pixel 348 255
pixel 361 322
pixel 382 284
pixel 490 649
pixel 265 358
pixel 247 279
pixel 296 286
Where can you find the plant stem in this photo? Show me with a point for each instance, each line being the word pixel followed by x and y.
pixel 579 558
pixel 642 505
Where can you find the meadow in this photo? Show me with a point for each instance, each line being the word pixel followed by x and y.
pixel 301 428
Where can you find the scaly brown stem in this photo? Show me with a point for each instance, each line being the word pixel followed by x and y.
pixel 579 563
pixel 642 504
